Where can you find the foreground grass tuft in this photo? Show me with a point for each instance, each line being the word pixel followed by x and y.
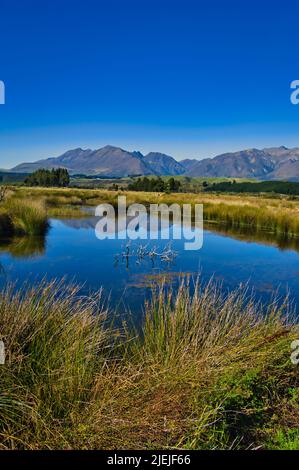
pixel 205 372
pixel 25 218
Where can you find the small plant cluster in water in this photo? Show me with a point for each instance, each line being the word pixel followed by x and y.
pixel 144 252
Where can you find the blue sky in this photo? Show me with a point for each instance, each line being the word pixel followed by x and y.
pixel 189 78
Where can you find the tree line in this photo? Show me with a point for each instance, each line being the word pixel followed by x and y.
pixel 278 187
pixel 155 185
pixel 49 178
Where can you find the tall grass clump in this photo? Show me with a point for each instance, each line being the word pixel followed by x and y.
pixel 27 217
pixel 272 219
pixel 204 371
pixel 54 347
pixel 219 366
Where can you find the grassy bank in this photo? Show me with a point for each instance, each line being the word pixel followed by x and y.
pixel 276 219
pixel 23 217
pixel 206 372
pixel 27 208
pixel 278 215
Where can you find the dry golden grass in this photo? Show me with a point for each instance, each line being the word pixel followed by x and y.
pixel 205 372
pixel 23 217
pixel 278 215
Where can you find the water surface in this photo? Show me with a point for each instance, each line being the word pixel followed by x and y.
pixel 71 250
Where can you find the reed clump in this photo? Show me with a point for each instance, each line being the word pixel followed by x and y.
pixel 205 371
pixel 274 220
pixel 27 217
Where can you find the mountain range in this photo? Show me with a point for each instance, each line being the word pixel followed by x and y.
pixel 279 163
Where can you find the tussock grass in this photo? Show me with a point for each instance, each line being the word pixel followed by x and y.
pixel 272 219
pixel 56 201
pixel 206 371
pixel 278 215
pixel 67 212
pixel 27 217
pixel 54 345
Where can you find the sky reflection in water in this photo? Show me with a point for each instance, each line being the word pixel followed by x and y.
pixel 71 250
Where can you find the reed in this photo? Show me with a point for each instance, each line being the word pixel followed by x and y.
pixel 54 345
pixel 274 220
pixel 279 215
pixel 206 371
pixel 27 217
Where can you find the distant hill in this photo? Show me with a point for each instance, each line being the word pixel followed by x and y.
pixel 286 170
pixel 251 163
pixel 164 165
pixel 108 161
pixel 267 164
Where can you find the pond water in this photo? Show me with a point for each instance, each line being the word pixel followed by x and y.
pixel 71 250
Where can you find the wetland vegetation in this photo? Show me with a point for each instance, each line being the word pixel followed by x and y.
pixel 278 215
pixel 205 369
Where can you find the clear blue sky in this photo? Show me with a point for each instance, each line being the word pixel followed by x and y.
pixel 189 78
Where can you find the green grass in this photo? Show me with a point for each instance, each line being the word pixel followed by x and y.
pixel 285 439
pixel 27 217
pixel 66 212
pixel 273 220
pixel 205 372
pixel 192 184
pixel 278 215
